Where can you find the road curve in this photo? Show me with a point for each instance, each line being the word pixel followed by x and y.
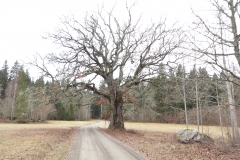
pixel 92 144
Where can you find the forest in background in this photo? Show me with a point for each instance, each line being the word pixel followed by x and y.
pixel 24 99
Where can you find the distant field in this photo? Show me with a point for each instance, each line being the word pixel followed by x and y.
pixel 50 140
pixel 48 124
pixel 213 131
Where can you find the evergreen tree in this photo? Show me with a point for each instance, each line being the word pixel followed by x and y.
pixel 39 82
pixel 71 113
pixel 28 78
pixel 48 88
pixel 96 109
pixel 24 80
pixel 14 70
pixel 61 112
pixel 214 90
pixel 173 93
pixel 4 79
pixel 180 84
pixel 204 86
pixel 191 87
pixel 193 73
pixel 161 89
pixel 22 100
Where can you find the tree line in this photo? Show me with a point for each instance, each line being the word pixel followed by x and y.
pixel 159 100
pixel 162 99
pixel 24 99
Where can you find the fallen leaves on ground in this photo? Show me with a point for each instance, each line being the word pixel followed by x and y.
pixel 52 144
pixel 164 146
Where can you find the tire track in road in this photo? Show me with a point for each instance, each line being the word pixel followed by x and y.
pixel 99 145
pixel 92 144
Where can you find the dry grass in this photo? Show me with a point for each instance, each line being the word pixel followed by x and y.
pixel 164 146
pixel 212 131
pixel 48 124
pixel 158 141
pixel 51 140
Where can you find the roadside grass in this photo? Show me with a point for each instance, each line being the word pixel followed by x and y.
pixel 159 141
pixel 50 140
pixel 212 131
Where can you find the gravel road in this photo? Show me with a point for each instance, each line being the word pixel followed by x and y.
pixel 92 144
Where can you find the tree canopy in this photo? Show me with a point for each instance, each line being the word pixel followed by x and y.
pixel 121 52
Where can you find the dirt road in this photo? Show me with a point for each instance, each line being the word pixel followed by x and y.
pixel 92 144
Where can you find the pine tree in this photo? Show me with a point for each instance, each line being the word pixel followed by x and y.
pixel 214 90
pixel 96 108
pixel 71 113
pixel 14 76
pixel 161 91
pixel 24 80
pixel 61 112
pixel 192 87
pixel 39 82
pixel 204 86
pixel 181 85
pixel 22 100
pixel 14 71
pixel 4 79
pixel 28 78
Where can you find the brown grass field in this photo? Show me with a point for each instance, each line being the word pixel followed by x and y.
pixel 212 131
pixel 53 140
pixel 157 141
pixel 49 141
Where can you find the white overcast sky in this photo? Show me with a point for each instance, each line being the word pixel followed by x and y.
pixel 23 22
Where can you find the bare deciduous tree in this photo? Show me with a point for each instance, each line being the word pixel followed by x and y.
pixel 221 42
pixel 120 52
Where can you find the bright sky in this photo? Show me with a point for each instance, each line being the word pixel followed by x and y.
pixel 23 22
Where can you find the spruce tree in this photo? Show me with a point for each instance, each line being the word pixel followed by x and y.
pixel 14 70
pixel 4 79
pixel 22 100
pixel 71 113
pixel 161 91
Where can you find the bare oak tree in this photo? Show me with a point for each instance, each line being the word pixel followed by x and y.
pixel 121 52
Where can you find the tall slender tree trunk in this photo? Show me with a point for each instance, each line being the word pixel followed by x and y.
pixel 229 84
pixel 196 88
pixel 230 91
pixel 185 105
pixel 220 114
pixel 200 116
pixel 184 98
pixel 14 97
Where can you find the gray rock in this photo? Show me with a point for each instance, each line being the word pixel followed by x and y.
pixel 192 136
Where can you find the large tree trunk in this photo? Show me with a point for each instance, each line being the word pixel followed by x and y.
pixel 116 119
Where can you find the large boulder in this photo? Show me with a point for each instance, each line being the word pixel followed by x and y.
pixel 192 136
